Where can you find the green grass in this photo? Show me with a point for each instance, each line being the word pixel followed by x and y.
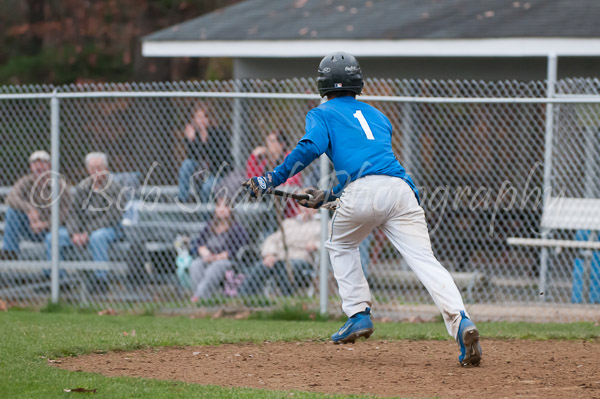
pixel 294 312
pixel 29 338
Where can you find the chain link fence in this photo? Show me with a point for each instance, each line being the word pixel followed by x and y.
pixel 152 215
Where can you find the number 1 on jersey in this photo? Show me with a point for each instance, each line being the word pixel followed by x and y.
pixel 363 123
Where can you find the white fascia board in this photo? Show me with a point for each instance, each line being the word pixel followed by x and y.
pixel 514 47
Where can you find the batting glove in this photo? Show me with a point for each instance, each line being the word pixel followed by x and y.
pixel 319 197
pixel 259 185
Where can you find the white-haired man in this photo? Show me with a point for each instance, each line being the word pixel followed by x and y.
pixel 94 220
pixel 29 202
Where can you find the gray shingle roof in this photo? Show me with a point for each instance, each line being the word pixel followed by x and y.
pixel 390 19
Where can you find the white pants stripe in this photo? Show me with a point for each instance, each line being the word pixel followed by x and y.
pixel 389 203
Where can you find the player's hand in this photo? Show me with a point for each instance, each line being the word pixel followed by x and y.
pixel 33 215
pixel 259 151
pixel 269 260
pixel 190 132
pixel 319 197
pixel 204 253
pixel 259 185
pixel 39 226
pixel 312 246
pixel 80 239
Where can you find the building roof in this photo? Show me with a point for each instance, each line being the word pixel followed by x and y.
pixel 318 21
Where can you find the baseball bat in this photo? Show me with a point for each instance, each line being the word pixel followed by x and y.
pixel 295 196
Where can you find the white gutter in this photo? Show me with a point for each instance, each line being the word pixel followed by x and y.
pixel 569 99
pixel 564 99
pixel 514 47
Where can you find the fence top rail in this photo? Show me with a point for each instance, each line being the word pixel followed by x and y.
pixel 571 99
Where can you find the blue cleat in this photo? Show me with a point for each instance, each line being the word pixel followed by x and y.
pixel 468 342
pixel 359 325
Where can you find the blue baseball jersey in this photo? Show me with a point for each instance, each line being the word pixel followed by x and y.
pixel 354 135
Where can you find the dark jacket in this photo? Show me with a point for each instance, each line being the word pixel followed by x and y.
pixel 231 240
pixel 213 152
pixel 92 210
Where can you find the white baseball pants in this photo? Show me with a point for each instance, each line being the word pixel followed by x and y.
pixel 387 202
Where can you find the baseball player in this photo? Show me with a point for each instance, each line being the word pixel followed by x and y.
pixel 374 190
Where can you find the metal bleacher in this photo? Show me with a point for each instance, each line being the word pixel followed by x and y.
pixel 148 242
pixel 3 207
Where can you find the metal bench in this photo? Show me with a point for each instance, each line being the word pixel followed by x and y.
pixel 561 213
pixel 147 251
pixel 74 271
pixel 28 265
pixel 473 284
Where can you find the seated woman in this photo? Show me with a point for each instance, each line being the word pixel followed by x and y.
pixel 215 248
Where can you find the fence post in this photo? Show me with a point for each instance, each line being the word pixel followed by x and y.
pixel 324 255
pixel 324 184
pixel 409 135
pixel 548 142
pixel 55 219
pixel 236 136
pixel 591 184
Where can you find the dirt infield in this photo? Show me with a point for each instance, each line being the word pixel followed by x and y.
pixel 533 369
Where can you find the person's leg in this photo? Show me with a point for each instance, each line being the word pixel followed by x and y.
pixel 352 222
pixel 213 276
pixel 361 210
pixel 186 173
pixel 16 227
pixel 282 278
pixel 208 184
pixel 255 278
pixel 100 240
pixel 197 272
pixel 64 240
pixel 303 273
pixel 407 230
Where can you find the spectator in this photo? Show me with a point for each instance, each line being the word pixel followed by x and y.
pixel 95 216
pixel 302 237
pixel 208 150
pixel 29 206
pixel 215 248
pixel 265 158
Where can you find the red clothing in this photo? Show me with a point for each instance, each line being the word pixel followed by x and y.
pixel 254 167
pixel 257 167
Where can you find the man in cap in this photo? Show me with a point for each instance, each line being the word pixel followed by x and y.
pixel 29 205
